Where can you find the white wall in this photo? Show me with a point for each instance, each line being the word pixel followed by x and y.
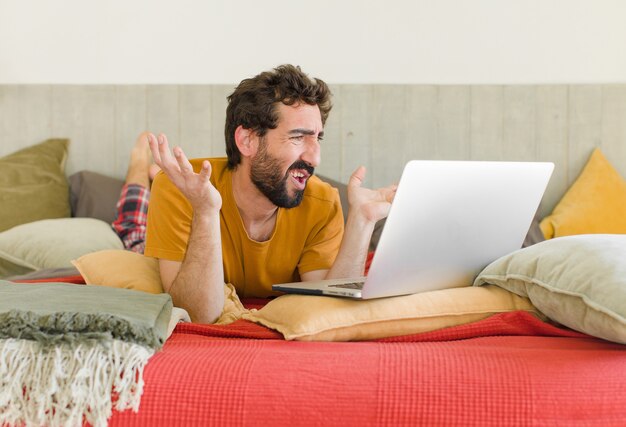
pixel 341 41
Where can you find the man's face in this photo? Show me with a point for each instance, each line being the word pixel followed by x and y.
pixel 287 156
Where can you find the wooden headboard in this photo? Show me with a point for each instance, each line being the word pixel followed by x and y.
pixel 380 126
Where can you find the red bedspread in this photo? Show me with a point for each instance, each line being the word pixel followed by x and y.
pixel 510 369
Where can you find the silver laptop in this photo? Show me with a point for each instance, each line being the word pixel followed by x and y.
pixel 449 219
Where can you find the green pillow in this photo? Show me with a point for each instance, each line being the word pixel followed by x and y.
pixel 578 281
pixel 53 243
pixel 33 184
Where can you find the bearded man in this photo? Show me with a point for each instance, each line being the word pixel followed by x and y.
pixel 259 216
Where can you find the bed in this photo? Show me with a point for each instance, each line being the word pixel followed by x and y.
pixel 508 369
pixel 551 351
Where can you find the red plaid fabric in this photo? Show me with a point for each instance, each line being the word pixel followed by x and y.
pixel 132 215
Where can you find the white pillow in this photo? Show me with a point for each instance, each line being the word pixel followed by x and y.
pixel 53 243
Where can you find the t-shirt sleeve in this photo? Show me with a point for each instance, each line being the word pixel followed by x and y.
pixel 322 246
pixel 169 221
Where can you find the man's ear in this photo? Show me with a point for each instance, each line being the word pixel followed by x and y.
pixel 247 141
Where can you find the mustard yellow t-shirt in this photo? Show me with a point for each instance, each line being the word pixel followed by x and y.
pixel 305 238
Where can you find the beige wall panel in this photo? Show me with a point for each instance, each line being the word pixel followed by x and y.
pixel 453 123
pixel 331 151
pixel 486 120
pixel 9 132
pixel 86 115
pixel 421 135
pixel 614 126
pixel 381 126
pixel 216 146
pixel 584 126
pixel 354 111
pixel 195 120
pixel 130 121
pixel 518 129
pixel 162 111
pixel 551 140
pixel 25 116
pixel 388 127
pixel 34 116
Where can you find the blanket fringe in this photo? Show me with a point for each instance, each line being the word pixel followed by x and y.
pixel 67 384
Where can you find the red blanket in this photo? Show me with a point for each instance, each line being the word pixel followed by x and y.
pixel 510 369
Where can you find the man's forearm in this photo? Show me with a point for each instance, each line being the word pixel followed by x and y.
pixel 350 261
pixel 199 284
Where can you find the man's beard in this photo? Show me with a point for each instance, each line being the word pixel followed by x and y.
pixel 265 174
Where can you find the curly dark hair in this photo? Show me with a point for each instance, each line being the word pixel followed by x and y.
pixel 253 103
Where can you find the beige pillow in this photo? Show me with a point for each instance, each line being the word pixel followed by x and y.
pixel 33 184
pixel 130 270
pixel 52 243
pixel 317 318
pixel 578 281
pixel 120 269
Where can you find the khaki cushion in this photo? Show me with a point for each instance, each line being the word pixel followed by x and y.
pixel 33 184
pixel 130 270
pixel 318 318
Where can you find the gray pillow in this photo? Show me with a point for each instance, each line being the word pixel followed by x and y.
pixel 578 281
pixel 94 195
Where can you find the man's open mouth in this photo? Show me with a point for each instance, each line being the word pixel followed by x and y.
pixel 299 177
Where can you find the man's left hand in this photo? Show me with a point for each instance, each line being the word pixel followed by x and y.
pixel 373 205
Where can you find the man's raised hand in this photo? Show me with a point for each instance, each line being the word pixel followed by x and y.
pixel 374 205
pixel 196 187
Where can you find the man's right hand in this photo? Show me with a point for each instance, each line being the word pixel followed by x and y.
pixel 197 283
pixel 196 187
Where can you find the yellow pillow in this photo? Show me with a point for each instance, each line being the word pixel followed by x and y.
pixel 130 270
pixel 594 204
pixel 317 318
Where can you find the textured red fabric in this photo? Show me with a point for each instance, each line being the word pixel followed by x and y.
pixel 510 369
pixel 77 279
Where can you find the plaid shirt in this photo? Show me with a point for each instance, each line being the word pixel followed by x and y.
pixel 132 215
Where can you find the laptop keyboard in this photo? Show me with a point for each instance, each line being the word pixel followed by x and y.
pixel 350 285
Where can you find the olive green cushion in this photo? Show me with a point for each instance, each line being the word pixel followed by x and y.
pixel 33 185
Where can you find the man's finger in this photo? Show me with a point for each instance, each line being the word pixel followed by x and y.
pixel 154 148
pixel 357 177
pixel 390 194
pixel 205 172
pixel 183 161
pixel 164 149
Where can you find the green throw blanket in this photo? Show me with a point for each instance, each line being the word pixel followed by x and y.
pixel 71 353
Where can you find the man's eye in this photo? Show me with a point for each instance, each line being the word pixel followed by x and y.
pixel 297 139
pixel 320 139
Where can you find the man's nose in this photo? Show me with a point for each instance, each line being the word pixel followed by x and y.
pixel 312 153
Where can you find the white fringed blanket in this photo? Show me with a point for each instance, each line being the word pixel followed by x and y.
pixel 71 353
